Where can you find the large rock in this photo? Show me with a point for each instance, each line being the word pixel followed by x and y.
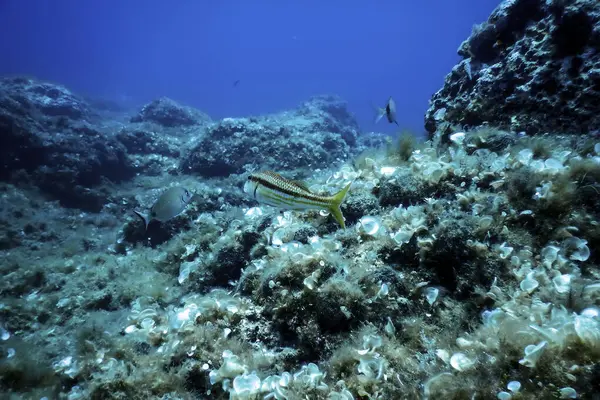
pixel 534 66
pixel 46 132
pixel 153 151
pixel 333 111
pixel 318 134
pixel 169 113
pixel 48 99
pixel 139 140
pixel 158 134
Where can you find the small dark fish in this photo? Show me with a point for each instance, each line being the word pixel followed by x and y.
pixel 237 82
pixel 389 111
pixel 169 204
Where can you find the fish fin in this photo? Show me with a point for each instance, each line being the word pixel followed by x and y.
pixel 337 200
pixel 301 185
pixel 378 111
pixel 143 218
pixel 297 183
pixel 275 175
pixel 396 122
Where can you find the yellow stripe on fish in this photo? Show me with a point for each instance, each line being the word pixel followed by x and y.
pixel 273 189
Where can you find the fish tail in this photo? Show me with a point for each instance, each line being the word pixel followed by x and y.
pixel 143 218
pixel 378 111
pixel 336 201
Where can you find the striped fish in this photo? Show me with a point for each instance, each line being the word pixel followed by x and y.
pixel 273 189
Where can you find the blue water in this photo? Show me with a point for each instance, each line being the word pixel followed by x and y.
pixel 282 52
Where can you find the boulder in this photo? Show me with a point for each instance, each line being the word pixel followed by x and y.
pixel 169 113
pixel 533 67
pixel 49 99
pixel 45 133
pixel 318 134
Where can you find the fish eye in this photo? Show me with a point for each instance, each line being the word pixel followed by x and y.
pixel 249 177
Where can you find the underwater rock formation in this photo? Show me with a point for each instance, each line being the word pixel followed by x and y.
pixel 52 136
pixel 317 134
pixel 159 133
pixel 146 141
pixel 335 114
pixel 168 113
pixel 153 150
pixel 465 271
pixel 533 66
pixel 48 98
pixel 70 148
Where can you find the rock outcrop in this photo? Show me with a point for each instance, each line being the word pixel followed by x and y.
pixel 48 133
pixel 169 113
pixel 318 134
pixel 533 66
pixel 74 150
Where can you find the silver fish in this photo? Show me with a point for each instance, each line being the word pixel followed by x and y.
pixel 389 111
pixel 169 204
pixel 273 189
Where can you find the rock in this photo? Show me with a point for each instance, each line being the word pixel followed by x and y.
pixel 169 113
pixel 156 137
pixel 45 133
pixel 230 260
pixel 145 141
pixel 403 190
pixel 335 115
pixel 358 205
pixel 153 152
pixel 304 233
pixel 316 135
pixel 47 98
pixel 533 66
pixel 368 141
pixel 454 266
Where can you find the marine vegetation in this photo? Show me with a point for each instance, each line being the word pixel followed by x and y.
pixel 463 265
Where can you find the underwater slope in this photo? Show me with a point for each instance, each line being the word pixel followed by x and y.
pixel 468 267
pixel 464 271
